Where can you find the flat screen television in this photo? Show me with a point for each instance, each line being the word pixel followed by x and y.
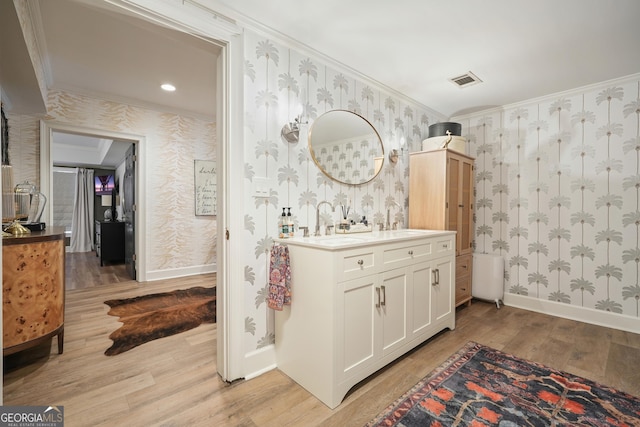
pixel 105 184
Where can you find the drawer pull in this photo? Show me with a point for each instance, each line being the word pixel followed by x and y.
pixel 360 262
pixel 436 277
pixel 378 292
pixel 384 297
pixel 410 252
pixel 445 246
pixel 465 266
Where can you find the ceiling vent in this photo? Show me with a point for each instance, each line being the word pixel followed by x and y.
pixel 465 80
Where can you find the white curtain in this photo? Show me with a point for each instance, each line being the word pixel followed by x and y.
pixel 82 220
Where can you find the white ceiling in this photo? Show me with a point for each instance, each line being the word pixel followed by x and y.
pixel 91 47
pixel 521 49
pixel 68 149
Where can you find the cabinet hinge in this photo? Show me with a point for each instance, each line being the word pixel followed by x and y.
pixel 134 257
pixel 135 157
pixel 134 207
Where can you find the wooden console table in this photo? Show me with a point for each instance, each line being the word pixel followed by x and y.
pixel 33 289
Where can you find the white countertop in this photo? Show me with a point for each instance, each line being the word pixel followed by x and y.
pixel 346 241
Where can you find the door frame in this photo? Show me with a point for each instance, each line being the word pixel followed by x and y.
pixel 46 178
pixel 196 18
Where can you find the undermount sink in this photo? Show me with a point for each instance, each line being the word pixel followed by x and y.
pixel 337 239
pixel 344 241
pixel 410 232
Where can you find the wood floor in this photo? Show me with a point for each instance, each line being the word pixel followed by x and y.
pixel 173 381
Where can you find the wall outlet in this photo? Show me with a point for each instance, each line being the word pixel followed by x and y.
pixel 260 187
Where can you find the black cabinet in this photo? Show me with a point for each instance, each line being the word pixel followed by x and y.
pixel 110 241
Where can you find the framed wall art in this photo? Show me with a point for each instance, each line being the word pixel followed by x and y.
pixel 205 187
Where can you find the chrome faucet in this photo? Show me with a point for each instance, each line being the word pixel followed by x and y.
pixel 388 226
pixel 333 209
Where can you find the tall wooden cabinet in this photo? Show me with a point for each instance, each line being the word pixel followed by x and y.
pixel 441 197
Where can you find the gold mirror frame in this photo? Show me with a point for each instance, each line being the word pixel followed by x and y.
pixel 346 147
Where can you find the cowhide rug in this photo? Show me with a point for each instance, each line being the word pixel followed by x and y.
pixel 154 316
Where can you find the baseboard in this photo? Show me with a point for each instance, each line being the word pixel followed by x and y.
pixel 582 314
pixel 259 361
pixel 180 272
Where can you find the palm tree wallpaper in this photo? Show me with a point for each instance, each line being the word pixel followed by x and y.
pixel 557 180
pixel 281 85
pixel 558 196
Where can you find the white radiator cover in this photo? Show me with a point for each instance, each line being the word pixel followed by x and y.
pixel 488 277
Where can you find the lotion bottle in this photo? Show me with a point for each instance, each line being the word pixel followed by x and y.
pixel 283 226
pixel 290 224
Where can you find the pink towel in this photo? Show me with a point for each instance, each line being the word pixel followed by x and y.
pixel 279 278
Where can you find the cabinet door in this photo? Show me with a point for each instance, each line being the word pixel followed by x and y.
pixel 394 288
pixel 442 288
pixel 465 238
pixel 357 320
pixel 460 201
pixel 454 166
pixel 420 304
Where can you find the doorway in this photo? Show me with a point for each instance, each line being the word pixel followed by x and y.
pixel 229 128
pixel 109 159
pixel 123 144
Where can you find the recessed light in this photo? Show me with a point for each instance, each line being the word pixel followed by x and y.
pixel 168 87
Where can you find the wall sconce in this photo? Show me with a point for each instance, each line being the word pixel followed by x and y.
pixel 291 131
pixel 393 156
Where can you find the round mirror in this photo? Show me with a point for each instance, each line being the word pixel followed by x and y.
pixel 346 147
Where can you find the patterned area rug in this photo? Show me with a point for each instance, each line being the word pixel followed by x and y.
pixel 154 316
pixel 480 386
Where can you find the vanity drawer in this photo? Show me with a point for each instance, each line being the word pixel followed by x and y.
pixel 406 254
pixel 463 265
pixel 445 245
pixel 463 290
pixel 356 263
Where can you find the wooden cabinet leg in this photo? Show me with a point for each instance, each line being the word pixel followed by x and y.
pixel 61 341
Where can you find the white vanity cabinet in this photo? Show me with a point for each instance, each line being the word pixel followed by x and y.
pixel 360 305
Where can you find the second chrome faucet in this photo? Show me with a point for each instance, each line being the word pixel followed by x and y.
pixel 333 209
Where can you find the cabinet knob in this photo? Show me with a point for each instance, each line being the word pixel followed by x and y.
pixel 360 262
pixel 410 252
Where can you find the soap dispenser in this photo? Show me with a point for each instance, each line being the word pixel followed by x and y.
pixel 290 225
pixel 283 225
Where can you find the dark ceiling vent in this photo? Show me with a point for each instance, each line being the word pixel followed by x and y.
pixel 466 80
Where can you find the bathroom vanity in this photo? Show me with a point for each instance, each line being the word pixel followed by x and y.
pixel 361 301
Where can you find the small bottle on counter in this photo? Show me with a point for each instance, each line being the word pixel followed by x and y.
pixel 283 225
pixel 290 224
